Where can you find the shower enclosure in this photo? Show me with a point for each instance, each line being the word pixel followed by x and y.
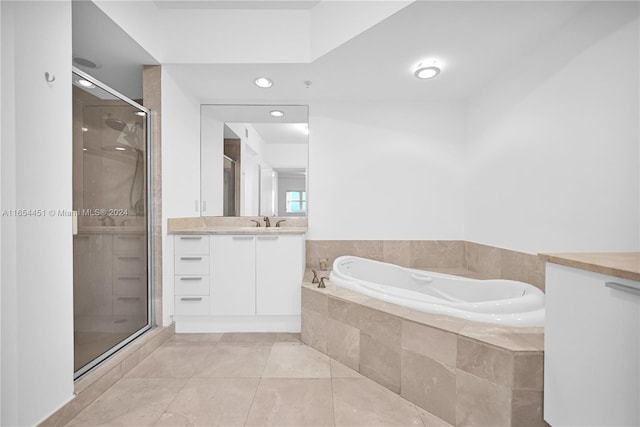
pixel 111 243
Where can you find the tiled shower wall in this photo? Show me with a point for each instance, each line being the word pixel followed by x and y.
pixel 456 256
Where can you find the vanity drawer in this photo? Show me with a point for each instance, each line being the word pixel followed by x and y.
pixel 191 285
pixel 129 265
pixel 196 265
pixel 129 305
pixel 192 245
pixel 130 244
pixel 191 305
pixel 130 284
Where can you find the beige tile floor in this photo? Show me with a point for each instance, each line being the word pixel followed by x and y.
pixel 247 380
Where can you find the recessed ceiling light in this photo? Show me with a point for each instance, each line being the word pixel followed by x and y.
pixel 263 82
pixel 120 148
pixel 85 83
pixel 140 113
pixel 427 69
pixel 277 113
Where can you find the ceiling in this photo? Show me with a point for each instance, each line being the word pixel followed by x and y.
pixel 474 40
pixel 118 57
pixel 285 133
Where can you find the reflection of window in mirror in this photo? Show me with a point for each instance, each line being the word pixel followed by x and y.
pixel 296 202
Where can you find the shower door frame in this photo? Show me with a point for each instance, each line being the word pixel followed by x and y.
pixel 149 226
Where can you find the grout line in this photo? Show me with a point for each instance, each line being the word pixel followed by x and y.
pixel 173 399
pixel 333 401
pixel 253 398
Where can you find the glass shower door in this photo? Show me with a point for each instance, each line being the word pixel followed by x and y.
pixel 111 243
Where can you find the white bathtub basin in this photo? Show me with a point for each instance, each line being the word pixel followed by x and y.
pixel 505 302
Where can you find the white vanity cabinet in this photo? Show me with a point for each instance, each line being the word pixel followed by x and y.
pixel 592 357
pixel 92 271
pixel 253 282
pixel 129 274
pixel 191 283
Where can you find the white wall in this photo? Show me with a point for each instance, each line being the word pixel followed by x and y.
pixel 386 170
pixel 286 155
pixel 553 154
pixel 37 251
pixel 211 165
pixel 180 166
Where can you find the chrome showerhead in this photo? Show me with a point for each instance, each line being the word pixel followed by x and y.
pixel 115 124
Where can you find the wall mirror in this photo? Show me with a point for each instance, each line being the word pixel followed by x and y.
pixel 254 160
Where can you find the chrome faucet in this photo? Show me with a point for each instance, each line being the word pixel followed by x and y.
pixel 266 219
pixel 278 223
pixel 257 222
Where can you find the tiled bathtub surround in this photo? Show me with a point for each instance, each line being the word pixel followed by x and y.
pixel 448 256
pixel 468 374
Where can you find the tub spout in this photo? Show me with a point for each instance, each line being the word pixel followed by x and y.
pixel 322 279
pixel 268 222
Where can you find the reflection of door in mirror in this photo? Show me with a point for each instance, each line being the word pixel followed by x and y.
pixel 231 177
pixel 229 203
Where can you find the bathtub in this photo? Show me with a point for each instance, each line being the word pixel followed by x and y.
pixel 505 302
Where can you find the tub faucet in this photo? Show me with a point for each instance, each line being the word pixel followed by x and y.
pixel 257 222
pixel 278 223
pixel 322 279
pixel 266 219
pixel 315 277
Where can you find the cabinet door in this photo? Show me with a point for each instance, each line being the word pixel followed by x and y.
pixel 592 331
pixel 233 276
pixel 278 274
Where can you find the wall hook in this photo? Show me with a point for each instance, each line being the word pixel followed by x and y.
pixel 50 78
